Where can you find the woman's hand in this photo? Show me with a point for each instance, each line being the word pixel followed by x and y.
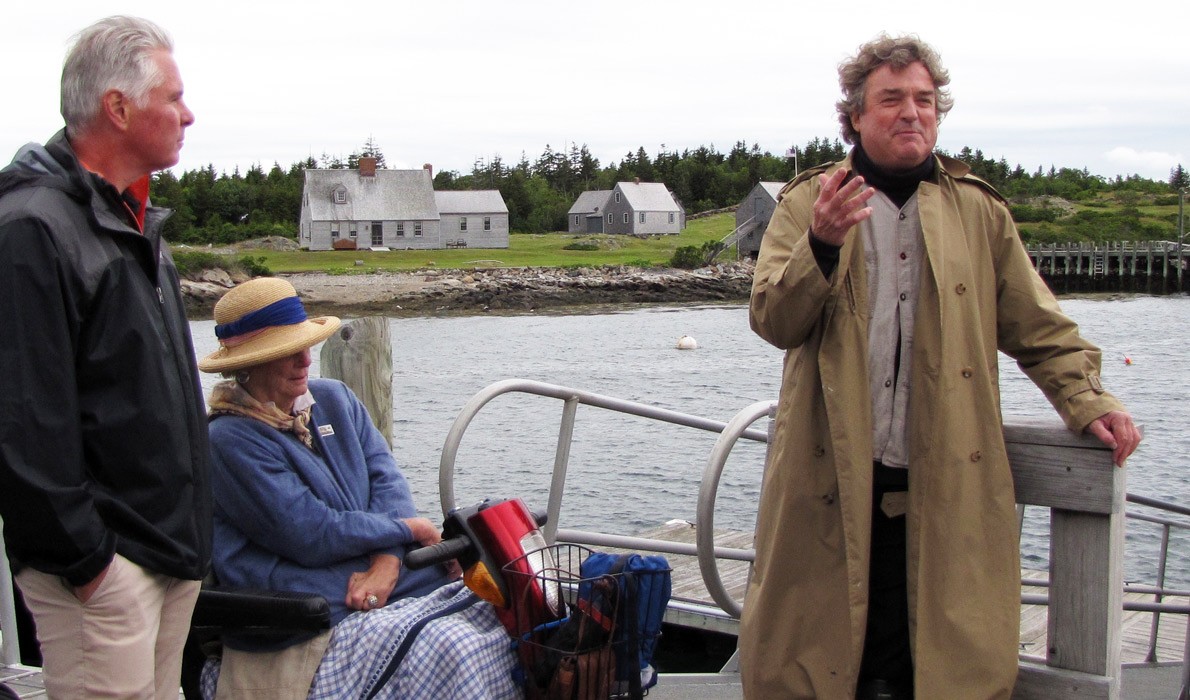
pixel 424 531
pixel 367 590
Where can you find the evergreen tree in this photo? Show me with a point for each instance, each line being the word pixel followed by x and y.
pixel 1179 179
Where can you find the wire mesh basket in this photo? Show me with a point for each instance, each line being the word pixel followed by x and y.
pixel 585 627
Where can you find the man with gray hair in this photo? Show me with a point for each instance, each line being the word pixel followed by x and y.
pixel 887 562
pixel 104 487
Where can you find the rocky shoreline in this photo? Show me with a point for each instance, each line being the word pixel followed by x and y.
pixel 496 290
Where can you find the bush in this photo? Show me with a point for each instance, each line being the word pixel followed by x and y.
pixel 689 257
pixel 581 245
pixel 193 262
pixel 255 266
pixel 1023 213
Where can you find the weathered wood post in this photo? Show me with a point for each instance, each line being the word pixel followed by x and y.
pixel 360 355
pixel 1073 475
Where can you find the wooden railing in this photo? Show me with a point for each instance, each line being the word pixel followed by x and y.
pixel 1074 477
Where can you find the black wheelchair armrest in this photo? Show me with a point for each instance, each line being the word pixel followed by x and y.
pixel 265 616
pixel 258 612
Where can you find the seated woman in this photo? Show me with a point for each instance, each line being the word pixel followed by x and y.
pixel 309 499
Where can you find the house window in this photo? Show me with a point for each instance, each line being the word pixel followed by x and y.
pixel 625 217
pixel 487 223
pixel 462 223
pixel 617 197
pixel 377 233
pixel 609 218
pixel 417 229
pixel 576 219
pixel 400 229
pixel 642 217
pixel 671 217
pixel 340 196
pixel 353 231
pixel 335 230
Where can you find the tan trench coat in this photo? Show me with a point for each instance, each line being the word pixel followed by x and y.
pixel 803 625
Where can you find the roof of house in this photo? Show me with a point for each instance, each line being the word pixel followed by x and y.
pixel 773 188
pixel 390 195
pixel 590 201
pixel 470 202
pixel 648 196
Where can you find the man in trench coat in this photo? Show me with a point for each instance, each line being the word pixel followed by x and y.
pixel 891 279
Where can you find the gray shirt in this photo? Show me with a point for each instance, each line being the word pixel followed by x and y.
pixel 893 252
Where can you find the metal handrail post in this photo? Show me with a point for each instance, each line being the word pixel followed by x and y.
pixel 708 489
pixel 561 465
pixel 1152 655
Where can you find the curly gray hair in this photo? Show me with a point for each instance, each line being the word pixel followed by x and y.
pixel 899 52
pixel 114 53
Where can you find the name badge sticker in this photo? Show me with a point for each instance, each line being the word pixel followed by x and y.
pixel 326 430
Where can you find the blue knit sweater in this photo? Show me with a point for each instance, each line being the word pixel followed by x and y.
pixel 290 519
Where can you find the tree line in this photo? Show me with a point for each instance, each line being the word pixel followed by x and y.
pixel 222 208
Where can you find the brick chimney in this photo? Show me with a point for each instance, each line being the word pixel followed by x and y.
pixel 367 166
pixel 430 169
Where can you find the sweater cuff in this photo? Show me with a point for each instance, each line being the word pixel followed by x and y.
pixel 825 254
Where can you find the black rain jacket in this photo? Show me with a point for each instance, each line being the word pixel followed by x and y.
pixel 103 437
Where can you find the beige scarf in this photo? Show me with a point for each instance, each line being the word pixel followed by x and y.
pixel 228 398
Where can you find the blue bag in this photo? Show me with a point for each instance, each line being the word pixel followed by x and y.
pixel 642 593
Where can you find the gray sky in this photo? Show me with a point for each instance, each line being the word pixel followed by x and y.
pixel 1039 83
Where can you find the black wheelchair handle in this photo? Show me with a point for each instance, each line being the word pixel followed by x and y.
pixel 439 553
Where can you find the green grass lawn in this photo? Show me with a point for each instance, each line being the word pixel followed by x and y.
pixel 525 250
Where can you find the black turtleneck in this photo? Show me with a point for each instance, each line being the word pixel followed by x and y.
pixel 898 187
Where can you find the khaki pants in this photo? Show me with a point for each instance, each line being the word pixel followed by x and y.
pixel 272 675
pixel 125 642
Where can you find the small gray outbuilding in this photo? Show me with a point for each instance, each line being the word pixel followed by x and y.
pixel 753 214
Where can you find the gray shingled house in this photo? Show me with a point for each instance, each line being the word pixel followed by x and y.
pixel 473 218
pixel 373 208
pixel 630 208
pixel 752 216
pixel 586 215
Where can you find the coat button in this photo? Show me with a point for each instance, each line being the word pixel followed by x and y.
pixel 960 288
pixel 976 456
pixel 828 499
pixel 968 372
pixel 819 451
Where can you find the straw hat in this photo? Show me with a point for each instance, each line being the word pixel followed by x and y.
pixel 262 320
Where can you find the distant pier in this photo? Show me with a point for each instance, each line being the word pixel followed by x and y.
pixel 1155 267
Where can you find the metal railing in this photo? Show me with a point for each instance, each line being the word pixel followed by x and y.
pixel 704 549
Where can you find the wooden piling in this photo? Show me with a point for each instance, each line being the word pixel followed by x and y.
pixel 360 355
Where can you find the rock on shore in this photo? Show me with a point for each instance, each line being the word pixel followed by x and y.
pixel 492 290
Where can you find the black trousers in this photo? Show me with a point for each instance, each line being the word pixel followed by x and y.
pixel 886 646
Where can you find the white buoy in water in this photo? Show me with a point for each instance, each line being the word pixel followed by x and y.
pixel 687 343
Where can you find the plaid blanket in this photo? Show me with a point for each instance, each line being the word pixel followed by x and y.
pixel 465 654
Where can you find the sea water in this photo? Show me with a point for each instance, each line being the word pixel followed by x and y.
pixel 628 474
